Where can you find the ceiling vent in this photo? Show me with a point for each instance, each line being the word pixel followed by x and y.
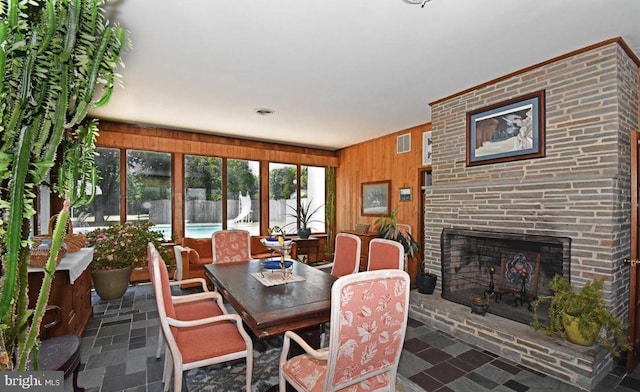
pixel 404 143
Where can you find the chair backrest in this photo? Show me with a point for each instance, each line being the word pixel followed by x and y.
pixel 178 252
pixel 385 254
pixel 200 245
pixel 346 258
pixel 369 313
pixel 159 276
pixel 403 228
pixel 231 246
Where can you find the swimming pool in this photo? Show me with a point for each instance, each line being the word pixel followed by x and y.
pixel 204 230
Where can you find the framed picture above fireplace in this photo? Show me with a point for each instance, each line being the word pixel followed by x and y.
pixel 376 198
pixel 517 267
pixel 507 131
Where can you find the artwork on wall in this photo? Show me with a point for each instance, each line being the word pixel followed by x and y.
pixel 427 148
pixel 405 194
pixel 376 199
pixel 507 131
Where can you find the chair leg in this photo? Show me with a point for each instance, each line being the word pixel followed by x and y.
pixel 160 344
pixel 249 369
pixel 177 379
pixel 166 372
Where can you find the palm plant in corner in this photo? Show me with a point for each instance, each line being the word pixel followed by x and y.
pixel 57 60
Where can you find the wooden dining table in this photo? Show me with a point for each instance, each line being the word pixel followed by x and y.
pixel 270 311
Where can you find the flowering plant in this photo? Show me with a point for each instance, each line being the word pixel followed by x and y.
pixel 124 245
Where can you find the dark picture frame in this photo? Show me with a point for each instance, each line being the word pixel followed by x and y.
pixel 375 198
pixel 507 131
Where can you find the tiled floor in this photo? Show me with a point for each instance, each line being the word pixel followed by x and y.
pixel 118 354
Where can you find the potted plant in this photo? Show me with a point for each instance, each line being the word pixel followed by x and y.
pixel 116 250
pixel 387 227
pixel 581 316
pixel 57 61
pixel 304 217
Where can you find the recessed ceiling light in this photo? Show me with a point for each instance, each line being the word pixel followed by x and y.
pixel 422 2
pixel 264 111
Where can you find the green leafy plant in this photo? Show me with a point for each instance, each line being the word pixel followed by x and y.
pixel 588 306
pixel 276 231
pixel 57 60
pixel 387 227
pixel 124 245
pixel 304 215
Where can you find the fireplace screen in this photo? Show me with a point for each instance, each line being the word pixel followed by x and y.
pixel 510 269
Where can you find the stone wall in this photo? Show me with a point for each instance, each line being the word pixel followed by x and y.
pixel 580 189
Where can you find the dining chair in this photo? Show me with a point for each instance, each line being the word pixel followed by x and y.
pixel 231 246
pixel 223 335
pixel 385 254
pixel 346 256
pixel 369 313
pixel 188 306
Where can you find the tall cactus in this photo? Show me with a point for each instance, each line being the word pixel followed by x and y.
pixel 55 56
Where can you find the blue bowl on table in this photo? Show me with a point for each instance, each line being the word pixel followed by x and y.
pixel 275 264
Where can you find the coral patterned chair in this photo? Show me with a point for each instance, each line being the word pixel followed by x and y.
pixel 369 313
pixel 385 254
pixel 231 246
pixel 225 336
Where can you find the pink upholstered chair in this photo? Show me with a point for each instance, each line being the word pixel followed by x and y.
pixel 385 254
pixel 225 337
pixel 189 306
pixel 231 246
pixel 369 313
pixel 346 258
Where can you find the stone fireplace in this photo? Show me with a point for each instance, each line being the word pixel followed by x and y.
pixel 567 211
pixel 509 269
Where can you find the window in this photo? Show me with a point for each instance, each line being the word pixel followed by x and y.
pixel 312 190
pixel 286 184
pixel 105 208
pixel 203 196
pixel 282 193
pixel 149 189
pixel 243 195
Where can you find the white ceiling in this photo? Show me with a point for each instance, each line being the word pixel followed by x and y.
pixel 336 72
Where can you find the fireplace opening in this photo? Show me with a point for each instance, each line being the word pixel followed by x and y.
pixel 510 270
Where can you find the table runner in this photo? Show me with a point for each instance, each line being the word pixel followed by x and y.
pixel 274 278
pixel 75 262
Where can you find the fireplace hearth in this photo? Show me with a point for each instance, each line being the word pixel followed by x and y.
pixel 511 270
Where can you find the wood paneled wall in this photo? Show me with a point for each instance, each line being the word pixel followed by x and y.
pixel 377 160
pixel 120 135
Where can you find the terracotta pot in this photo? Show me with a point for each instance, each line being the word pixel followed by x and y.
pixel 111 284
pixel 570 324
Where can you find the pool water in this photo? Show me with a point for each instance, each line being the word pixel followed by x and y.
pixel 203 230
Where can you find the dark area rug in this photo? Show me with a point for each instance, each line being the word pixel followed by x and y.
pixel 266 355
